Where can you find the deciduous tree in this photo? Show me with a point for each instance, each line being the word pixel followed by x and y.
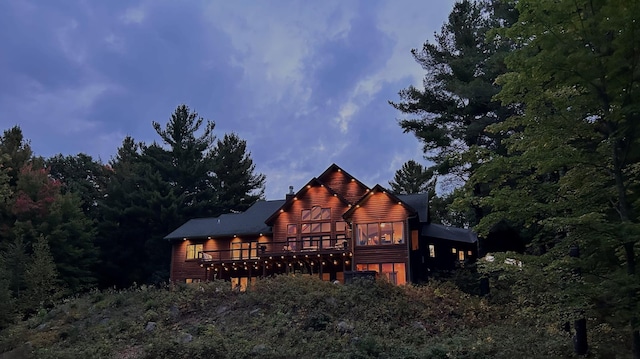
pixel 572 167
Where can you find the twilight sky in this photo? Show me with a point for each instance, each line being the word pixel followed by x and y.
pixel 306 83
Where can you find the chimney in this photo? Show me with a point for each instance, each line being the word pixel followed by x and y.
pixel 290 195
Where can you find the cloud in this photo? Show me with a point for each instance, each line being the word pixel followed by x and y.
pixel 274 44
pixel 133 15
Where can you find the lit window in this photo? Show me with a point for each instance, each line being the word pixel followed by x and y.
pixel 383 233
pixel 461 255
pixel 453 250
pixel 469 253
pixel 292 229
pixel 432 251
pixel 394 272
pixel 193 250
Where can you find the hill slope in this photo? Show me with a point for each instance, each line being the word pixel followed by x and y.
pixel 281 317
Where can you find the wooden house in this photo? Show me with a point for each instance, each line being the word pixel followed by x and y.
pixel 332 227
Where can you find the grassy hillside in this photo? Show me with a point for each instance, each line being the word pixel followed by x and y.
pixel 283 317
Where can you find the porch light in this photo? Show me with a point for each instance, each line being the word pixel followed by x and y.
pixel 294 256
pixel 201 265
pixel 335 262
pixel 346 262
pixel 265 262
pixel 357 206
pixel 335 195
pixel 399 202
pixel 295 198
pixel 290 264
pixel 279 265
pixel 281 257
pixel 353 180
pixel 324 263
pixel 339 170
pixel 282 211
pixel 308 186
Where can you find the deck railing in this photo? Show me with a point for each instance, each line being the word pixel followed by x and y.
pixel 259 250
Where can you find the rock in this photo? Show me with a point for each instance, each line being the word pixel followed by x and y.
pixel 254 311
pixel 331 301
pixel 258 349
pixel 222 309
pixel 151 326
pixel 174 311
pixel 186 338
pixel 42 326
pixel 104 321
pixel 418 325
pixel 344 327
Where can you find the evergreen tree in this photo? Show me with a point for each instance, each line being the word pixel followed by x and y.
pixel 15 153
pixel 82 175
pixel 41 278
pixel 238 185
pixel 451 114
pixel 7 310
pixel 187 163
pixel 413 178
pixel 139 210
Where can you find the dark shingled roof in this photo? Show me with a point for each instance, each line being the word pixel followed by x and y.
pixel 249 222
pixel 418 202
pixel 450 233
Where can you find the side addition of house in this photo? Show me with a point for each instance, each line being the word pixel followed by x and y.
pixel 332 226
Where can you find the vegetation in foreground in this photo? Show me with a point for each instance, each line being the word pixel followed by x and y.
pixel 291 317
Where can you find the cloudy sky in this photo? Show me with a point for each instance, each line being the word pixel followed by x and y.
pixel 306 83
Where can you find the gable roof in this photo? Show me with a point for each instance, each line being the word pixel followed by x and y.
pixel 249 222
pixel 449 233
pixel 335 167
pixel 419 202
pixel 378 188
pixel 287 203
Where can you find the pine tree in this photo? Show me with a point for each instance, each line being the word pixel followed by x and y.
pixel 187 163
pixel 413 178
pixel 41 278
pixel 238 185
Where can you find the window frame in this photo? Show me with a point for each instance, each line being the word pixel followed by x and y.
pixel 192 251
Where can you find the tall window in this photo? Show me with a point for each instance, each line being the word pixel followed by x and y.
pixel 383 233
pixel 193 250
pixel 316 228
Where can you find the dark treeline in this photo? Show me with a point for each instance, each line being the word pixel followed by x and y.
pixel 71 223
pixel 533 109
